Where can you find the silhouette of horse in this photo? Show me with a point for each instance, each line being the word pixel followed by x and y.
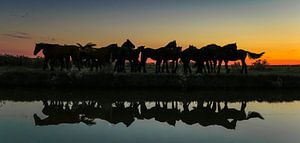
pixel 175 55
pixel 231 53
pixel 136 67
pixel 85 59
pixel 204 113
pixel 240 115
pixel 125 52
pixel 160 55
pixel 205 116
pixel 161 113
pixel 58 113
pixel 210 54
pixel 192 53
pixel 53 52
pixel 99 56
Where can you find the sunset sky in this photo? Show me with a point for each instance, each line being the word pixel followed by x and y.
pixel 272 26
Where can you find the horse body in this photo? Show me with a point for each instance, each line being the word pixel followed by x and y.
pixel 192 53
pixel 125 52
pixel 53 52
pixel 99 56
pixel 145 54
pixel 161 56
pixel 231 53
pixel 211 53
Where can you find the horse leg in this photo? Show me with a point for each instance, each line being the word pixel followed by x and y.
pixel 132 66
pixel 68 63
pixel 189 68
pixel 211 66
pixel 207 66
pixel 123 66
pixel 185 68
pixel 215 65
pixel 144 66
pixel 79 63
pixel 45 63
pixel 61 64
pixel 176 66
pixel 52 64
pixel 97 64
pixel 242 70
pixel 173 66
pixel 226 67
pixel 116 66
pixel 167 67
pixel 92 64
pixel 158 63
pixel 219 66
pixel 163 66
pixel 245 66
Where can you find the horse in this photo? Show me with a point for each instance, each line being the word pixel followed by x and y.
pixel 231 53
pixel 164 54
pixel 160 55
pixel 100 56
pixel 125 52
pixel 85 59
pixel 175 55
pixel 192 53
pixel 53 52
pixel 211 54
pixel 135 59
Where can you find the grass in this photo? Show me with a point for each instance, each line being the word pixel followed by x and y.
pixel 19 71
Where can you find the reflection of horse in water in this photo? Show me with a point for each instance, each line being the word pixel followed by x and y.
pixel 59 113
pixel 204 114
pixel 161 113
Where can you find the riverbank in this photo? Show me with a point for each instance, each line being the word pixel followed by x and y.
pixel 149 81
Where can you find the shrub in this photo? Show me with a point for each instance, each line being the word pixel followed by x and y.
pixel 236 66
pixel 10 60
pixel 260 65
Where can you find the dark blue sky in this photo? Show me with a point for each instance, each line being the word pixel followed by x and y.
pixel 254 24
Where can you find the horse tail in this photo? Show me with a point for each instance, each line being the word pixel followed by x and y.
pixel 254 55
pixel 37 119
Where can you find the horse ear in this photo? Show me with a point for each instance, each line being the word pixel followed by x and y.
pixel 79 45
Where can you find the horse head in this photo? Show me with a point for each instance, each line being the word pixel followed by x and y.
pixel 141 48
pixel 38 48
pixel 254 115
pixel 171 44
pixel 192 47
pixel 128 44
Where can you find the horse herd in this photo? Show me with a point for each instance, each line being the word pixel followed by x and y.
pixel 207 59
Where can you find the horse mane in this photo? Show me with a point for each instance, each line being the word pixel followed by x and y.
pixel 192 47
pixel 230 45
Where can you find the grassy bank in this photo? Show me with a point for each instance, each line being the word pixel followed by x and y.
pixel 102 80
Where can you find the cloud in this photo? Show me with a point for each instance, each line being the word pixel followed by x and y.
pixel 18 35
pixel 20 15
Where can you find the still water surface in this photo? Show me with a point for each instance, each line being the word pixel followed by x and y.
pixel 177 121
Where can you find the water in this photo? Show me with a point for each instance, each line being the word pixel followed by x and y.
pixel 40 118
